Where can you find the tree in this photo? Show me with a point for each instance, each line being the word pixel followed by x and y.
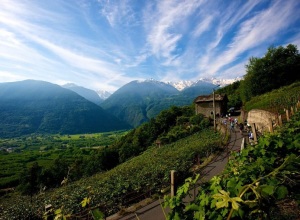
pixel 110 158
pixel 233 93
pixel 279 67
pixel 30 179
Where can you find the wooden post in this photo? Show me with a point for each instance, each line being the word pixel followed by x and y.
pixel 242 145
pixel 254 133
pixel 287 114
pixel 158 143
pixel 49 211
pixel 279 120
pixel 173 183
pixel 270 125
pixel 292 110
pixel 198 159
pixel 214 110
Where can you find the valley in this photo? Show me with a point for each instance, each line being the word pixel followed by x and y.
pixel 19 154
pixel 38 107
pixel 82 174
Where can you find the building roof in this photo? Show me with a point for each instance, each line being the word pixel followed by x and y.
pixel 209 98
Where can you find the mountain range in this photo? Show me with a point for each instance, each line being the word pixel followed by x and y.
pixel 31 106
pixel 181 85
pixel 139 101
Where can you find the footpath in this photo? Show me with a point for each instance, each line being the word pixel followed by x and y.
pixel 215 167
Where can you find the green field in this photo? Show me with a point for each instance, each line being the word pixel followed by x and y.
pixel 17 154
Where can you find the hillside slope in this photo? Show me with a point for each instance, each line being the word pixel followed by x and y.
pixel 139 101
pixel 40 107
pixel 133 102
pixel 88 94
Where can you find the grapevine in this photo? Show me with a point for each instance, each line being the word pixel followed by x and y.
pixel 253 183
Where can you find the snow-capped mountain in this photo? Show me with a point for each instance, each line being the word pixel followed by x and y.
pixel 180 85
pixel 103 94
pixel 221 82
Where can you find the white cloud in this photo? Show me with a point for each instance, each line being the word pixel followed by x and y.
pixel 226 18
pixel 110 43
pixel 162 24
pixel 234 71
pixel 38 48
pixel 10 77
pixel 203 26
pixel 295 40
pixel 253 32
pixel 118 12
pixel 80 61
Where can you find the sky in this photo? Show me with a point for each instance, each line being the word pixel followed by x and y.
pixel 105 44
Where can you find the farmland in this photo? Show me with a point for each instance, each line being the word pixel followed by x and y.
pixel 18 154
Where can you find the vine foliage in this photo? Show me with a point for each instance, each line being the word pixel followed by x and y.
pixel 257 183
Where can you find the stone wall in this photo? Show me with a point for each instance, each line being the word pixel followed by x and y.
pixel 206 108
pixel 262 119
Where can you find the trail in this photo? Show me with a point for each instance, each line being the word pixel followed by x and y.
pixel 215 167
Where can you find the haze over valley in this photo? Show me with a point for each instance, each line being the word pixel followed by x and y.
pixel 32 106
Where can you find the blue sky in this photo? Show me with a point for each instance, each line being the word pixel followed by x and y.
pixel 103 44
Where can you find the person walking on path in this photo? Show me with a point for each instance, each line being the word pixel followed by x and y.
pixel 232 125
pixel 241 127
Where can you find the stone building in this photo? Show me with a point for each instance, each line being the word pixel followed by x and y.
pixel 204 105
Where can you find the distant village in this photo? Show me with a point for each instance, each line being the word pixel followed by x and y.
pixel 8 150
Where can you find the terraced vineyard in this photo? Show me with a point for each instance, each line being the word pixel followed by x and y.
pixel 147 173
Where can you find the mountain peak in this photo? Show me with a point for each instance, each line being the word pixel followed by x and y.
pixel 69 85
pixel 151 80
pixel 182 84
pixel 103 94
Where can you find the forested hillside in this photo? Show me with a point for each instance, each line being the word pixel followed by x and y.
pixel 30 106
pixel 134 101
pixel 277 68
pixel 139 101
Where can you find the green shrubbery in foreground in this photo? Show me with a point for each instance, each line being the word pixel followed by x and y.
pixel 262 182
